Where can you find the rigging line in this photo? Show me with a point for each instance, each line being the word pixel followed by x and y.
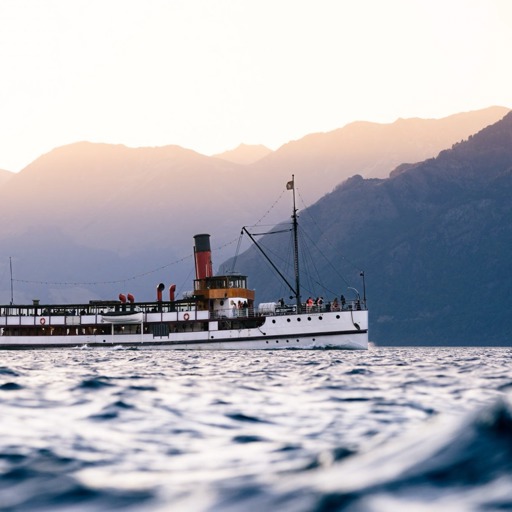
pixel 185 280
pixel 309 245
pixel 287 264
pixel 314 281
pixel 324 237
pixel 275 255
pixel 326 259
pixel 272 264
pixel 114 281
pixel 268 249
pixel 271 207
pixel 264 250
pixel 308 262
pixel 272 225
pixel 322 286
pixel 227 244
pixel 272 232
pixel 237 251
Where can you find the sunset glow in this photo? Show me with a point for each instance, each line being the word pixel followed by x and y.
pixel 209 75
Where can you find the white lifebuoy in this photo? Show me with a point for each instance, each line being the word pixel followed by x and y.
pixel 42 321
pixel 186 316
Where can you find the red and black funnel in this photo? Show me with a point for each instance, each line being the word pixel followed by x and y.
pixel 203 256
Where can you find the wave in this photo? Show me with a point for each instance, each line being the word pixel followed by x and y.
pixel 463 465
pixel 7 371
pixel 10 386
pixel 303 431
pixel 41 480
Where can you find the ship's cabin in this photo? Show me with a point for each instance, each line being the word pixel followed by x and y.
pixel 221 282
pixel 225 296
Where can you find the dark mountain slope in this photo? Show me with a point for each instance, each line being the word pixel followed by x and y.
pixel 435 241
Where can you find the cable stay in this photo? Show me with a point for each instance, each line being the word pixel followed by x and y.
pixel 309 264
pixel 257 245
pixel 271 232
pixel 324 237
pixel 342 256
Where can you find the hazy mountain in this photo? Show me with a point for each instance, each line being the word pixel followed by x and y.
pixel 97 213
pixel 141 205
pixel 106 196
pixel 5 176
pixel 435 241
pixel 321 161
pixel 245 154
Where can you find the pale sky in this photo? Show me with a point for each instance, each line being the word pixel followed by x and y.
pixel 211 74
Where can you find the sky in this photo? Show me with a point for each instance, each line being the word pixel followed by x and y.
pixel 210 74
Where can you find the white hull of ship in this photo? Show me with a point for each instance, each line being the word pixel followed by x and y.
pixel 340 330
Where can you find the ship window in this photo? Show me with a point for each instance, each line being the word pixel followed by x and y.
pixel 237 282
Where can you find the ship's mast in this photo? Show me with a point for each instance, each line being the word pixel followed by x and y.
pixel 12 290
pixel 291 186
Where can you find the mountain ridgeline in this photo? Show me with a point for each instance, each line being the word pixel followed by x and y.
pixel 434 240
pixel 90 221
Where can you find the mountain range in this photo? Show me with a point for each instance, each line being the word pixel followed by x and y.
pixel 245 154
pixel 434 241
pixel 88 221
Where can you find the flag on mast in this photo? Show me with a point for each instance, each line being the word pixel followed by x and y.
pixel 289 185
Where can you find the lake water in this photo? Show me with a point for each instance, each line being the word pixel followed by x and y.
pixel 385 430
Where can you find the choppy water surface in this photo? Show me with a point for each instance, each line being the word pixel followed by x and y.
pixel 388 429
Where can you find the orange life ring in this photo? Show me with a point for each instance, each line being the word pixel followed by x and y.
pixel 186 316
pixel 42 321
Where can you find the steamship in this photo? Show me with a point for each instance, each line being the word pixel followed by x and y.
pixel 220 313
